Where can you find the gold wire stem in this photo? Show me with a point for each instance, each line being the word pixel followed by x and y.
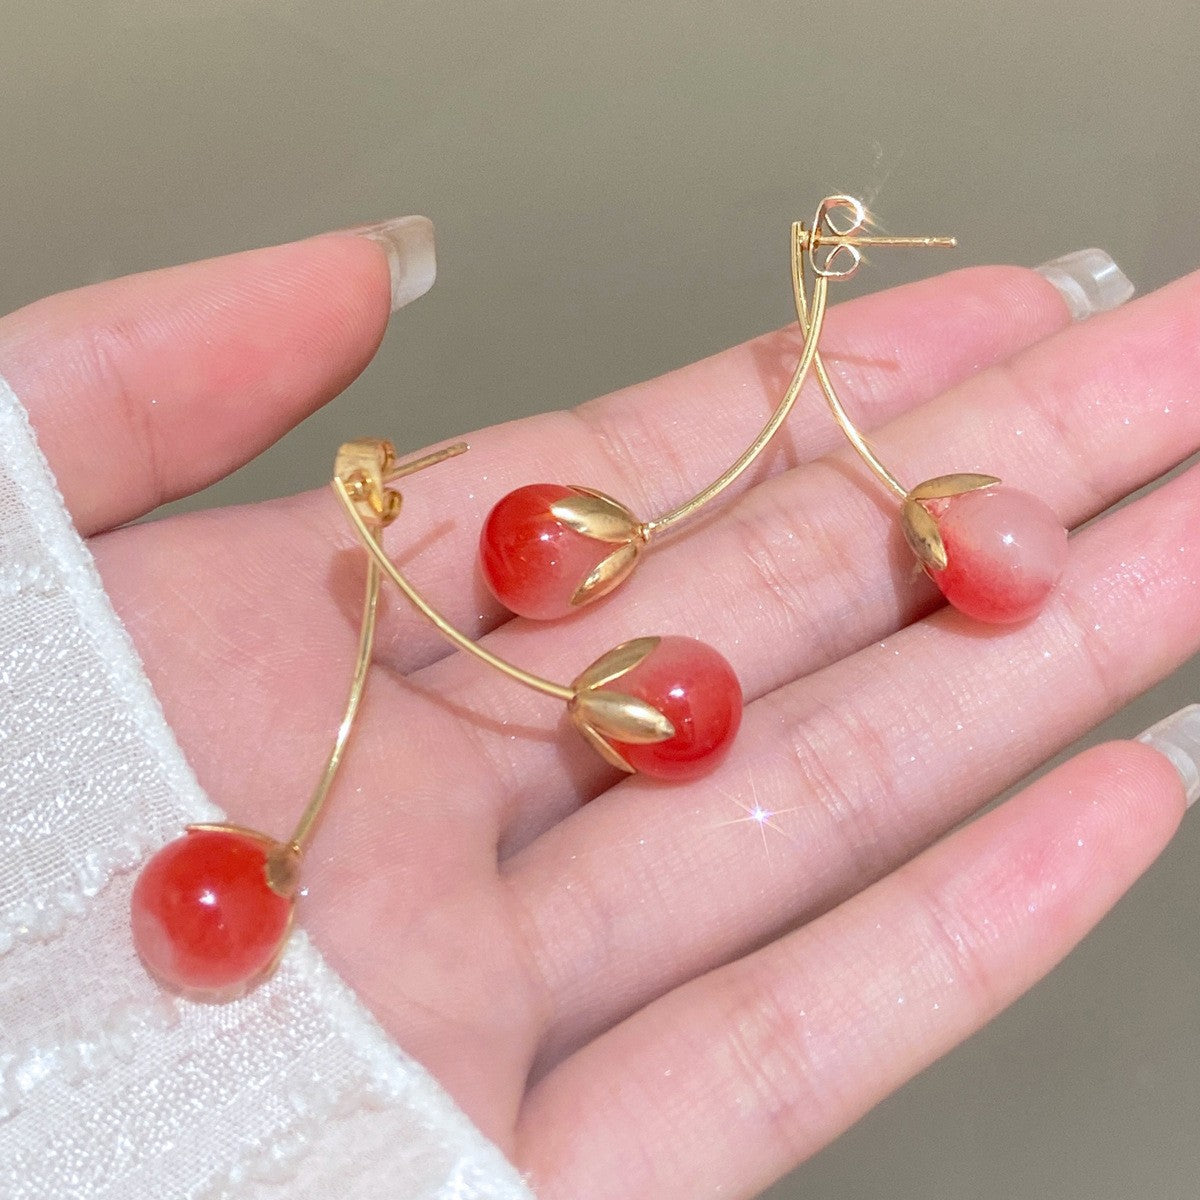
pixel 283 858
pixel 800 243
pixel 306 826
pixel 448 631
pixel 811 334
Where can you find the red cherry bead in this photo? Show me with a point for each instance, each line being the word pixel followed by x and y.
pixel 697 691
pixel 1005 551
pixel 532 561
pixel 205 921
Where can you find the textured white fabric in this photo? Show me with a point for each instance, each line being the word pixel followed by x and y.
pixel 108 1087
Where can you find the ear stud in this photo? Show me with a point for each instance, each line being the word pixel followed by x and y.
pixel 668 707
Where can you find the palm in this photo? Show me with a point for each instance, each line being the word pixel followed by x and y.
pixel 655 993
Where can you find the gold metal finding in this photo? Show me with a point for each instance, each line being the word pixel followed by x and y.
pixel 598 516
pixel 603 714
pixel 833 250
pixel 844 242
pixel 362 472
pixel 920 529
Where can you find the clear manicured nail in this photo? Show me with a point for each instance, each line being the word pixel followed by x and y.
pixel 1178 737
pixel 412 258
pixel 1089 281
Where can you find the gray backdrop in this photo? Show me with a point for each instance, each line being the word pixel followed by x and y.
pixel 612 185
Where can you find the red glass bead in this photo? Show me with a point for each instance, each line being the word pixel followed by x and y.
pixel 698 692
pixel 205 921
pixel 532 561
pixel 1005 551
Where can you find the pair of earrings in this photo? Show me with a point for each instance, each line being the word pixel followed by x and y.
pixel 211 911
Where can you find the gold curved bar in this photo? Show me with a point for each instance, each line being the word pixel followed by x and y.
pixel 306 826
pixel 856 439
pixel 811 333
pixel 448 631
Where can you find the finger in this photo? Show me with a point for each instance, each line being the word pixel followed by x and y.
pixel 729 1081
pixel 838 778
pixel 147 388
pixel 812 565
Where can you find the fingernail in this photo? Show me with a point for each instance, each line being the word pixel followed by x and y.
pixel 1089 281
pixel 412 259
pixel 1178 737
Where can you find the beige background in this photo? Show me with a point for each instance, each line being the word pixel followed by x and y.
pixel 612 185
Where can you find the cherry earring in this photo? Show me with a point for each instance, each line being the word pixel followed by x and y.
pixel 211 911
pixel 995 552
pixel 666 706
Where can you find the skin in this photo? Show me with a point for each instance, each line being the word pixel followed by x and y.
pixel 634 988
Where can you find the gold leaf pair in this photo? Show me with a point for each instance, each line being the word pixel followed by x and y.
pixel 598 516
pixel 603 714
pixel 920 529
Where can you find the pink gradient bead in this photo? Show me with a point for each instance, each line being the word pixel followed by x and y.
pixel 698 692
pixel 532 561
pixel 205 921
pixel 1005 551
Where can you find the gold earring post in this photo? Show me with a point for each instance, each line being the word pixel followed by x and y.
pixel 428 460
pixel 835 239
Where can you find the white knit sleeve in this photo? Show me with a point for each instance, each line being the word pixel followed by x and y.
pixel 108 1087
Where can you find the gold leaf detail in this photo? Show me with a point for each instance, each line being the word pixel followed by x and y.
pixel 607 574
pixel 624 718
pixel 615 663
pixel 951 485
pixel 597 743
pixel 923 535
pixel 596 515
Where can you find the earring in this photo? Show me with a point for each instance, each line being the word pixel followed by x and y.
pixel 211 911
pixel 666 706
pixel 995 552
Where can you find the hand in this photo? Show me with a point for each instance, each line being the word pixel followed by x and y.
pixel 643 990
